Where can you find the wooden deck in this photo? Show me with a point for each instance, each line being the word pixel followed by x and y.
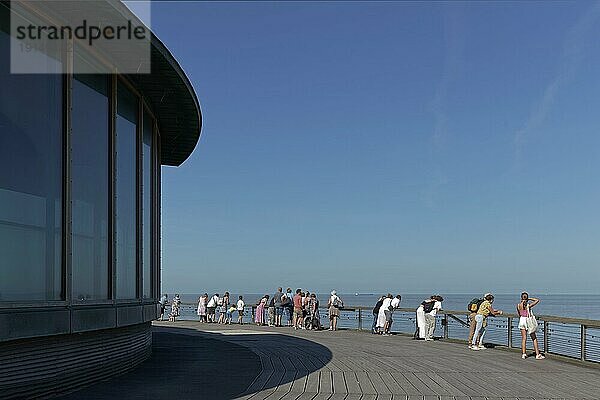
pixel 350 365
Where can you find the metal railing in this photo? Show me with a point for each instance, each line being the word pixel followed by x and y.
pixel 569 337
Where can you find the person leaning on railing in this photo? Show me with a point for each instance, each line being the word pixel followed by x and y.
pixel 485 310
pixel 378 305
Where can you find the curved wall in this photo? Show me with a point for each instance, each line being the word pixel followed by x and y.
pixel 49 366
pixel 80 164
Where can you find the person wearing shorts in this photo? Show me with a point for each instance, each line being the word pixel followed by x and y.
pixel 334 304
pixel 211 307
pixel 395 305
pixel 297 300
pixel 240 309
pixel 524 310
pixel 278 304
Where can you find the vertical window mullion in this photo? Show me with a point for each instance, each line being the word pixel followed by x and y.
pixel 112 192
pixel 139 200
pixel 67 288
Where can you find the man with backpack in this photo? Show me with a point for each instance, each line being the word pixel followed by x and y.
pixel 473 307
pixel 424 308
pixel 430 308
pixel 485 310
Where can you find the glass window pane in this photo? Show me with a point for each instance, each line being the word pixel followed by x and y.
pixel 147 204
pixel 125 195
pixel 89 187
pixel 30 181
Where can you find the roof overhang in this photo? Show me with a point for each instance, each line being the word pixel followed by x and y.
pixel 172 98
pixel 174 103
pixel 167 89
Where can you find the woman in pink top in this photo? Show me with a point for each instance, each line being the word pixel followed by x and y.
pixel 523 310
pixel 259 318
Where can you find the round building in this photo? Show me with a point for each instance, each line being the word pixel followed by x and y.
pixel 80 161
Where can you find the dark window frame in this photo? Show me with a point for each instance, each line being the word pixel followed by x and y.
pixel 67 298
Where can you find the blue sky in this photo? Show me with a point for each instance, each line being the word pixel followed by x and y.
pixel 413 147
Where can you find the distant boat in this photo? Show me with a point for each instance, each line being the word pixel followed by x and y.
pixel 356 294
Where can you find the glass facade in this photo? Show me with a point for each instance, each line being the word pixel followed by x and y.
pixel 80 158
pixel 89 187
pixel 147 135
pixel 31 182
pixel 126 193
pixel 77 221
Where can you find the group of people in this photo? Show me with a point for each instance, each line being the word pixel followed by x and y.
pixel 301 309
pixel 481 309
pixel 208 307
pixel 426 313
pixel 175 307
pixel 382 313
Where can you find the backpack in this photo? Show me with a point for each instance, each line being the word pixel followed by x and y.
pixel 474 305
pixel 377 307
pixel 428 306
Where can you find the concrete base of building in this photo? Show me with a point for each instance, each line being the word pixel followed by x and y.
pixel 49 366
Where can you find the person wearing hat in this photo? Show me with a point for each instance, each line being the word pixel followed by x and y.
pixel 175 308
pixel 473 323
pixel 485 310
pixel 334 304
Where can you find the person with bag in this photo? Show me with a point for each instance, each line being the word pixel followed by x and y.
pixel 528 324
pixel 485 310
pixel 334 304
pixel 384 315
pixel 473 307
pixel 430 314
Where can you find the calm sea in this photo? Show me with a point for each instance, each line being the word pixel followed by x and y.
pixel 574 306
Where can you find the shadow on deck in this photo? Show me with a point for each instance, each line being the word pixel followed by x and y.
pixel 188 364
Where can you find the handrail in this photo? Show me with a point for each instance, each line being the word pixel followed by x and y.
pixel 550 318
pixel 575 338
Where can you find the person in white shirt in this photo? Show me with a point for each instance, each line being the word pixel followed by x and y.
pixel 385 315
pixel 240 309
pixel 430 316
pixel 175 308
pixel 163 304
pixel 395 305
pixel 211 307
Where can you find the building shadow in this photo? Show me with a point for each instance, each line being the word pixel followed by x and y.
pixel 190 364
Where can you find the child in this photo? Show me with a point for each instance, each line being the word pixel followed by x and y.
pixel 240 309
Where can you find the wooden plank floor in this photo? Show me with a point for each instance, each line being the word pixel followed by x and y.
pixel 347 365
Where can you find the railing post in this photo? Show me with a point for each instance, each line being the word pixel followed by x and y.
pixel 509 321
pixel 583 331
pixel 546 345
pixel 359 319
pixel 445 326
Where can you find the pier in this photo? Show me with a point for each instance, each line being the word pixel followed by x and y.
pixel 192 360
